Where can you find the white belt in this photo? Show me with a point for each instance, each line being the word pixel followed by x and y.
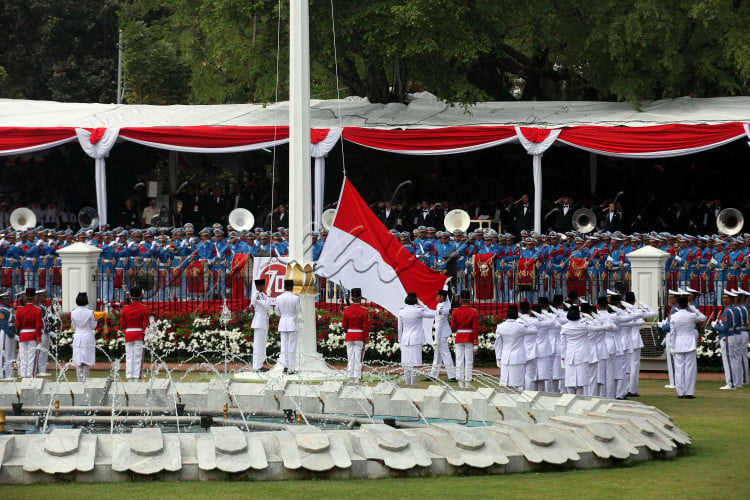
pixel 465 331
pixel 350 330
pixel 28 330
pixel 134 330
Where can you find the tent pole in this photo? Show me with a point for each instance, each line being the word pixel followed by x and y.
pixel 320 179
pixel 537 166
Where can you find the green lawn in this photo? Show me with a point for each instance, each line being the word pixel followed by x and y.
pixel 716 467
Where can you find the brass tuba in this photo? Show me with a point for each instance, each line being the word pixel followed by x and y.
pixel 457 219
pixel 584 220
pixel 730 221
pixel 88 218
pixel 22 218
pixel 327 218
pixel 241 219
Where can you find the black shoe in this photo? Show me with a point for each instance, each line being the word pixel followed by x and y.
pixel 621 399
pixel 452 380
pixel 631 395
pixel 689 397
pixel 291 372
pixel 285 370
pixel 681 397
pixel 428 379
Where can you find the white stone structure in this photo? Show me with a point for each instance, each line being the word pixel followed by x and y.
pixel 79 264
pixel 647 274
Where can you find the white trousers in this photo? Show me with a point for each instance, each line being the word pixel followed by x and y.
pixel 82 372
pixel 635 370
pixel 670 364
pixel 411 358
pixel 43 356
pixel 743 355
pixel 443 357
pixel 530 376
pixel 354 351
pixel 464 361
pixel 289 350
pixel 8 355
pixel 512 376
pixel 685 372
pixel 735 346
pixel 609 382
pixel 133 359
pixel 260 339
pixel 27 358
pixel 622 380
pixel 726 361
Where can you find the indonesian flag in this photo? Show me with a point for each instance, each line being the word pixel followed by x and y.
pixel 360 252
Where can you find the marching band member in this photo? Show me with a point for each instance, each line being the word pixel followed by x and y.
pixel 355 322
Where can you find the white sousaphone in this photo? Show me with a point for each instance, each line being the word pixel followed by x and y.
pixel 327 218
pixel 22 218
pixel 457 219
pixel 241 219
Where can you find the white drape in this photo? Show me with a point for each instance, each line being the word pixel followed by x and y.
pixel 99 150
pixel 537 149
pixel 319 151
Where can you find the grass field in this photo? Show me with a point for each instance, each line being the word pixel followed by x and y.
pixel 716 467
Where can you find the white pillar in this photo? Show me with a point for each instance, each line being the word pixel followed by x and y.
pixel 300 185
pixel 647 274
pixel 537 166
pixel 79 262
pixel 320 180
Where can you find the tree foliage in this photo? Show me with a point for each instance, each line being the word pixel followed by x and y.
pixel 228 51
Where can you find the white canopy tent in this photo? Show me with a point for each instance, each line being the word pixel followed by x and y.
pixel 424 126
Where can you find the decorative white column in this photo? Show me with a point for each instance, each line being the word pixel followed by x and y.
pixel 536 141
pixel 79 262
pixel 647 274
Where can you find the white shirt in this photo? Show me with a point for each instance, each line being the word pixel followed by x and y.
pixel 410 329
pixel 509 342
pixel 683 330
pixel 287 306
pixel 262 303
pixel 574 343
pixel 442 316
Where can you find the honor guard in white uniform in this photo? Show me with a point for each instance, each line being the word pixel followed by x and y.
pixel 510 349
pixel 8 339
pixel 644 312
pixel 442 334
pixel 288 308
pixel 411 336
pixel 530 342
pixel 575 352
pixel 684 344
pixel 262 304
pixel 558 370
pixel 545 324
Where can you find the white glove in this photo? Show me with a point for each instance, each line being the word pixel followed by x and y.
pixel 499 365
pixel 562 363
pixel 476 348
pixel 52 335
pixel 39 347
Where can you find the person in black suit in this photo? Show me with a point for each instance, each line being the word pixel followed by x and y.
pixel 423 215
pixel 610 220
pixel 564 215
pixel 217 210
pixel 678 220
pixel 388 215
pixel 524 217
pixel 280 217
pixel 194 208
pixel 239 199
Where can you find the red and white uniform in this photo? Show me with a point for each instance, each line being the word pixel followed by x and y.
pixel 356 323
pixel 465 322
pixel 133 321
pixel 29 327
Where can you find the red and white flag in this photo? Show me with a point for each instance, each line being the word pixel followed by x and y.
pixel 360 252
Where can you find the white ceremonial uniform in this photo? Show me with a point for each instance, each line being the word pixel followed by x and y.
pixel 558 370
pixel 544 351
pixel 683 346
pixel 510 351
pixel 411 337
pixel 636 343
pixel 599 355
pixel 442 334
pixel 8 345
pixel 262 304
pixel 531 355
pixel 84 342
pixel 575 351
pixel 287 307
pixel 614 350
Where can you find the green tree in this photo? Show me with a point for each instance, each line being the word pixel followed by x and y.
pixel 64 50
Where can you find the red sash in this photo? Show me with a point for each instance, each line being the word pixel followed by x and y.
pixel 119 277
pixel 6 277
pixel 57 276
pixel 238 275
pixel 42 277
pixel 161 279
pixel 484 276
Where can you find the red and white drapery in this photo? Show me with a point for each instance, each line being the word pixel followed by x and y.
pixel 631 142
